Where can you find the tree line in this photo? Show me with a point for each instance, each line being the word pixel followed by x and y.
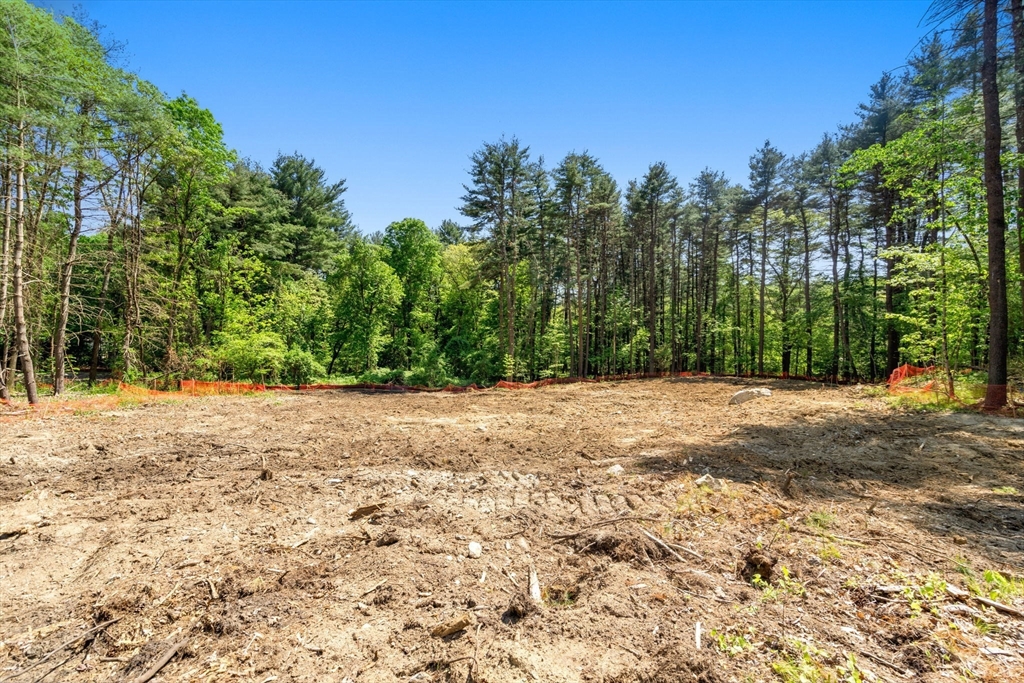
pixel 137 245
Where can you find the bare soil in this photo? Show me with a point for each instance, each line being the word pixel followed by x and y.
pixel 326 537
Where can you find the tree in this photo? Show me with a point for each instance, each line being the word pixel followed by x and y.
pixel 995 395
pixel 651 204
pixel 194 159
pixel 765 168
pixel 366 294
pixel 450 233
pixel 35 53
pixel 498 199
pixel 414 254
pixel 319 221
pixel 708 192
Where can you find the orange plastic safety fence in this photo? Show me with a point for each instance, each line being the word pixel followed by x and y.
pixel 191 387
pixel 195 387
pixel 906 371
pixel 50 406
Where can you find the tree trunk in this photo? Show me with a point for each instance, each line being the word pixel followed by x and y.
pixel 764 267
pixel 995 394
pixel 21 328
pixel 1017 16
pixel 67 269
pixel 5 265
pixel 808 320
pixel 651 294
pixel 97 333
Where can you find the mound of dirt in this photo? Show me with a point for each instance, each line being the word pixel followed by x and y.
pixel 621 546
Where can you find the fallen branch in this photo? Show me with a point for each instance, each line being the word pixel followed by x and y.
pixel 161 662
pixel 998 606
pixel 60 647
pixel 630 651
pixel 508 574
pixel 881 661
pixel 53 668
pixel 686 550
pixel 663 545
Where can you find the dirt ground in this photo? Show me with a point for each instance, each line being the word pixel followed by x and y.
pixel 562 534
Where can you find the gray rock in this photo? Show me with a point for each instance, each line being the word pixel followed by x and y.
pixel 749 395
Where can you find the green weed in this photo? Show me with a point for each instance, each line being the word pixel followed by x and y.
pixel 800 665
pixel 1000 587
pixel 784 585
pixel 559 596
pixel 732 644
pixel 805 663
pixel 829 553
pixel 821 519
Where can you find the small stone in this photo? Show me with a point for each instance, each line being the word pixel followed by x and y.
pixel 311 520
pixel 615 470
pixel 708 480
pixel 475 549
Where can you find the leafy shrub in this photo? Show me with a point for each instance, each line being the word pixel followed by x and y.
pixel 300 367
pixel 257 357
pixel 433 370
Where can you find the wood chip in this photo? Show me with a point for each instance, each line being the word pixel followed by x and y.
pixel 453 625
pixel 535 587
pixel 365 510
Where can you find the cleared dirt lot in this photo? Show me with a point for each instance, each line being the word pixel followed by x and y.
pixel 225 525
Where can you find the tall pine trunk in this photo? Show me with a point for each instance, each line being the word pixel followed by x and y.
pixel 995 394
pixel 808 320
pixel 5 272
pixel 20 324
pixel 1017 17
pixel 652 314
pixel 764 275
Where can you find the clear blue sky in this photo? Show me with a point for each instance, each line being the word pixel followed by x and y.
pixel 394 97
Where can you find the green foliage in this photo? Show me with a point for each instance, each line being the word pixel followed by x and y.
pixel 195 262
pixel 821 519
pixel 258 357
pixel 366 293
pixel 317 221
pixel 732 644
pixel 300 367
pixel 998 586
pixel 414 254
pixel 801 663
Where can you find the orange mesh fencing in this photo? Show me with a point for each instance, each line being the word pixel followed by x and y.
pixel 128 393
pixel 50 406
pixel 195 387
pixel 898 381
